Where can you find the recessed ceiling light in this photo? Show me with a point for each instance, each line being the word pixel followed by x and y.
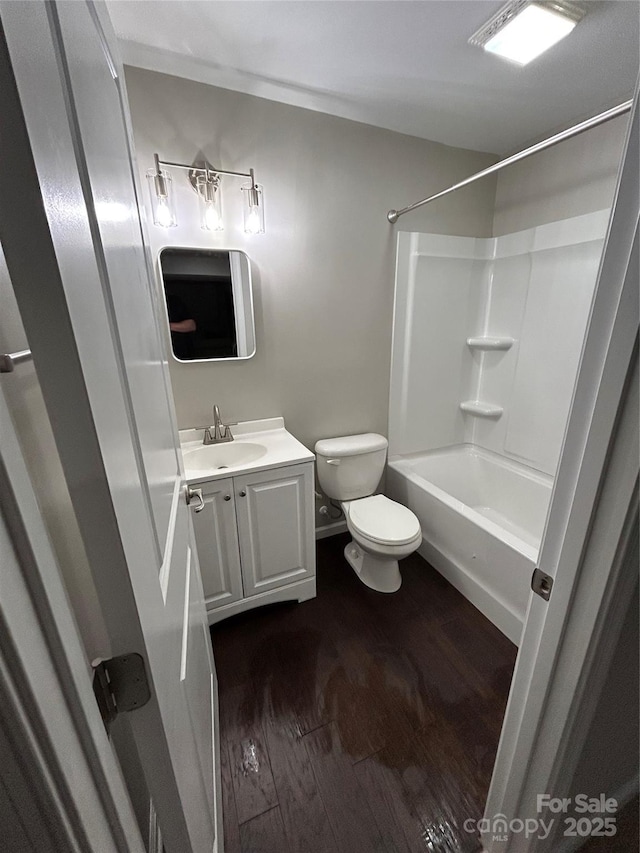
pixel 524 29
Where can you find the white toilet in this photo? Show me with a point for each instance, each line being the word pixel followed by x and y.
pixel 383 531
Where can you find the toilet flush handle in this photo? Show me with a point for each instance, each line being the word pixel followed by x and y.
pixel 333 461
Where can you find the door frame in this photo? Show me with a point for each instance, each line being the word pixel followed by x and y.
pixel 556 668
pixel 56 758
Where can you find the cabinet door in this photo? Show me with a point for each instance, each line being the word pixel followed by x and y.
pixel 275 527
pixel 217 541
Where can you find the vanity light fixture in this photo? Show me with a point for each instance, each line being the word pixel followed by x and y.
pixel 206 181
pixel 523 29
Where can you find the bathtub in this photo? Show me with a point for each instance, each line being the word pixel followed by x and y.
pixel 482 519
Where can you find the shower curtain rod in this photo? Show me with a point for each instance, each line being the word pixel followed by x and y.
pixel 393 215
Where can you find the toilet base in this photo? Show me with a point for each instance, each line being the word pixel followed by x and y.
pixel 382 575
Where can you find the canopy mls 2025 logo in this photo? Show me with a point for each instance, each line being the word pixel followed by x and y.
pixel 580 816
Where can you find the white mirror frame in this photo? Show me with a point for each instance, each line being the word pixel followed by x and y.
pixel 242 304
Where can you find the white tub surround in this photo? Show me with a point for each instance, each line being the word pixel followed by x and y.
pixel 482 518
pixel 253 516
pixel 487 337
pixel 486 343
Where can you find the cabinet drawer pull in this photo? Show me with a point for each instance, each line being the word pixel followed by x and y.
pixel 190 494
pixel 243 494
pixel 227 497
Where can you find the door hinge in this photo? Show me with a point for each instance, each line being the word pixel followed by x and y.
pixel 120 684
pixel 542 584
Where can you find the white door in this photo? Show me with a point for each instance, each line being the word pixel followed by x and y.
pixel 275 527
pixel 75 252
pixel 217 538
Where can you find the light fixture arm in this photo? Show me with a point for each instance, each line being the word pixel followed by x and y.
pixel 254 199
pixel 206 169
pixel 159 179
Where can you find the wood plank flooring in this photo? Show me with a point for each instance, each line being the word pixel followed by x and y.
pixel 359 722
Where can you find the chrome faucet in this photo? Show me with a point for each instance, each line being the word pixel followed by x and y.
pixel 217 432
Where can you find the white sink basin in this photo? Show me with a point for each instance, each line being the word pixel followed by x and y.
pixel 208 457
pixel 257 445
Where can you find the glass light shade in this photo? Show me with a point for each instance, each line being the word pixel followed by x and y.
pixel 253 208
pixel 210 201
pixel 161 198
pixel 532 31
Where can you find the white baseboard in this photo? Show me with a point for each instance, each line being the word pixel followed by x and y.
pixel 331 529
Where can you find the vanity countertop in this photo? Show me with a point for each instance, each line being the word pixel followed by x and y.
pixel 256 445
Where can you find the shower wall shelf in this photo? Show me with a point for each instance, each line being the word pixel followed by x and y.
pixel 488 343
pixel 481 410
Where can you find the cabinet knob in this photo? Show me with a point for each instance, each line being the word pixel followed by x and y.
pixel 227 497
pixel 243 494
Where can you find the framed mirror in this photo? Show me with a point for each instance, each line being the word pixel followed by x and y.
pixel 209 301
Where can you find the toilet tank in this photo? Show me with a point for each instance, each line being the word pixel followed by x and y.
pixel 350 467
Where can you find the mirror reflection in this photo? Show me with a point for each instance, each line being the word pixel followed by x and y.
pixel 209 301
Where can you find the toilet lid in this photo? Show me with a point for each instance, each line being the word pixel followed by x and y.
pixel 382 520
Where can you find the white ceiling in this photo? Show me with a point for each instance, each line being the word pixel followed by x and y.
pixel 399 64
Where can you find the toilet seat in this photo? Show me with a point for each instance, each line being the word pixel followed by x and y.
pixel 383 521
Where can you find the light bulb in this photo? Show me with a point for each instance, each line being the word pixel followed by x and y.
pixel 212 218
pixel 163 214
pixel 210 202
pixel 161 198
pixel 253 222
pixel 253 208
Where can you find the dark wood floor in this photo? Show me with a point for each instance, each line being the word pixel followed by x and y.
pixel 359 722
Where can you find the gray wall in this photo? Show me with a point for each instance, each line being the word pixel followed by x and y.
pixel 575 177
pixel 324 271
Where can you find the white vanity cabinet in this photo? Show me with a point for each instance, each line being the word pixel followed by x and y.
pixel 255 535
